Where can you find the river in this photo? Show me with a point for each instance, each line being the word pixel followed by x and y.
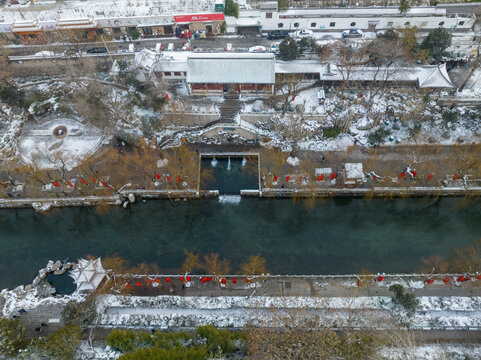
pixel 326 237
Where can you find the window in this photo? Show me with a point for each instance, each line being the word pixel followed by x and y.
pixel 280 25
pixel 332 24
pixel 424 24
pixel 116 30
pixel 268 15
pixel 296 25
pixel 353 24
pixel 167 73
pixel 99 31
pixel 461 23
pixel 389 24
pixel 176 73
pixel 407 24
pixel 441 23
pixel 313 25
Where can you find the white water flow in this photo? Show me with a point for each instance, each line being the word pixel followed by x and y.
pixel 228 163
pixel 229 199
pixel 244 162
pixel 213 163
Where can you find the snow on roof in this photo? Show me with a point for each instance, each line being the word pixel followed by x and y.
pixel 231 68
pixel 104 9
pixel 88 275
pixel 247 21
pixel 161 61
pixel 435 76
pixel 299 67
pixel 354 171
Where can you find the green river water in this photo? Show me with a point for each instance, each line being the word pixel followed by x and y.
pixel 333 236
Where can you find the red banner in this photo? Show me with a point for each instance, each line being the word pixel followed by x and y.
pixel 199 17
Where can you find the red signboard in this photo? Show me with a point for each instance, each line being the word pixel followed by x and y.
pixel 199 17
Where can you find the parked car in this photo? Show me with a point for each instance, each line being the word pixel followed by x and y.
pixel 352 33
pixel 97 50
pixel 278 34
pixel 304 33
pixel 257 48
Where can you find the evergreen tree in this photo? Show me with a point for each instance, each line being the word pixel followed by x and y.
pixel 436 43
pixel 231 8
pixel 288 49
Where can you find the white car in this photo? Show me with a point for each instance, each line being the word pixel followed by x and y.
pixel 257 49
pixel 303 33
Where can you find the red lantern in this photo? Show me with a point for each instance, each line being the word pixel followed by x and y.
pixel 189 278
pixel 167 97
pixel 380 278
pixel 246 280
pixel 446 280
pixel 169 178
pixel 69 184
pixel 167 279
pixel 149 281
pixel 5 186
pixel 455 177
pixel 93 180
pixel 430 176
pixel 203 280
pixel 178 179
pixel 430 281
pixel 461 278
pixel 287 178
pixel 333 176
pixel 223 281
pixel 182 279
pixel 413 173
pixel 157 176
pixel 128 286
pixel 156 280
pixel 56 184
pixel 209 279
pixel 402 175
pixel 432 88
pixel 275 178
pixel 478 277
pixel 139 284
pixel 234 280
pixel 362 95
pixel 83 181
pixel 103 183
pixel 358 283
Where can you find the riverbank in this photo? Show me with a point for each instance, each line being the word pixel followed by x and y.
pixel 46 203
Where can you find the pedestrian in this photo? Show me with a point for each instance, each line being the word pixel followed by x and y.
pixel 38 329
pixel 22 311
pixel 14 316
pixel 43 325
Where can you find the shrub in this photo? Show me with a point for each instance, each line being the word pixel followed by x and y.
pixel 12 337
pixel 407 301
pixel 282 4
pixel 80 314
pixel 332 132
pixel 152 353
pixel 134 33
pixel 60 345
pixel 450 116
pixel 13 96
pixel 121 340
pixel 378 136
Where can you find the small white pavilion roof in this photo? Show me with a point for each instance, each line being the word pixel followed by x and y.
pixel 88 275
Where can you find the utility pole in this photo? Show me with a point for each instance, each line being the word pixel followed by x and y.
pixel 108 52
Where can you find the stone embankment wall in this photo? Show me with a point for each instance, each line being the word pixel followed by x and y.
pixel 125 198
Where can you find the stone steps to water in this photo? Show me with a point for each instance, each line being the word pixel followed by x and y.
pixel 229 109
pixel 230 199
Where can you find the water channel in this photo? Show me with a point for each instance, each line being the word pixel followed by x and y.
pixel 330 236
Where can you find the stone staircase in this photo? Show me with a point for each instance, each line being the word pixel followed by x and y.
pixel 229 109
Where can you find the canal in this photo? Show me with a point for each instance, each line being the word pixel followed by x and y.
pixel 325 237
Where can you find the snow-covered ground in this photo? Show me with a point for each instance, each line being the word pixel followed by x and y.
pixel 38 145
pixel 237 311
